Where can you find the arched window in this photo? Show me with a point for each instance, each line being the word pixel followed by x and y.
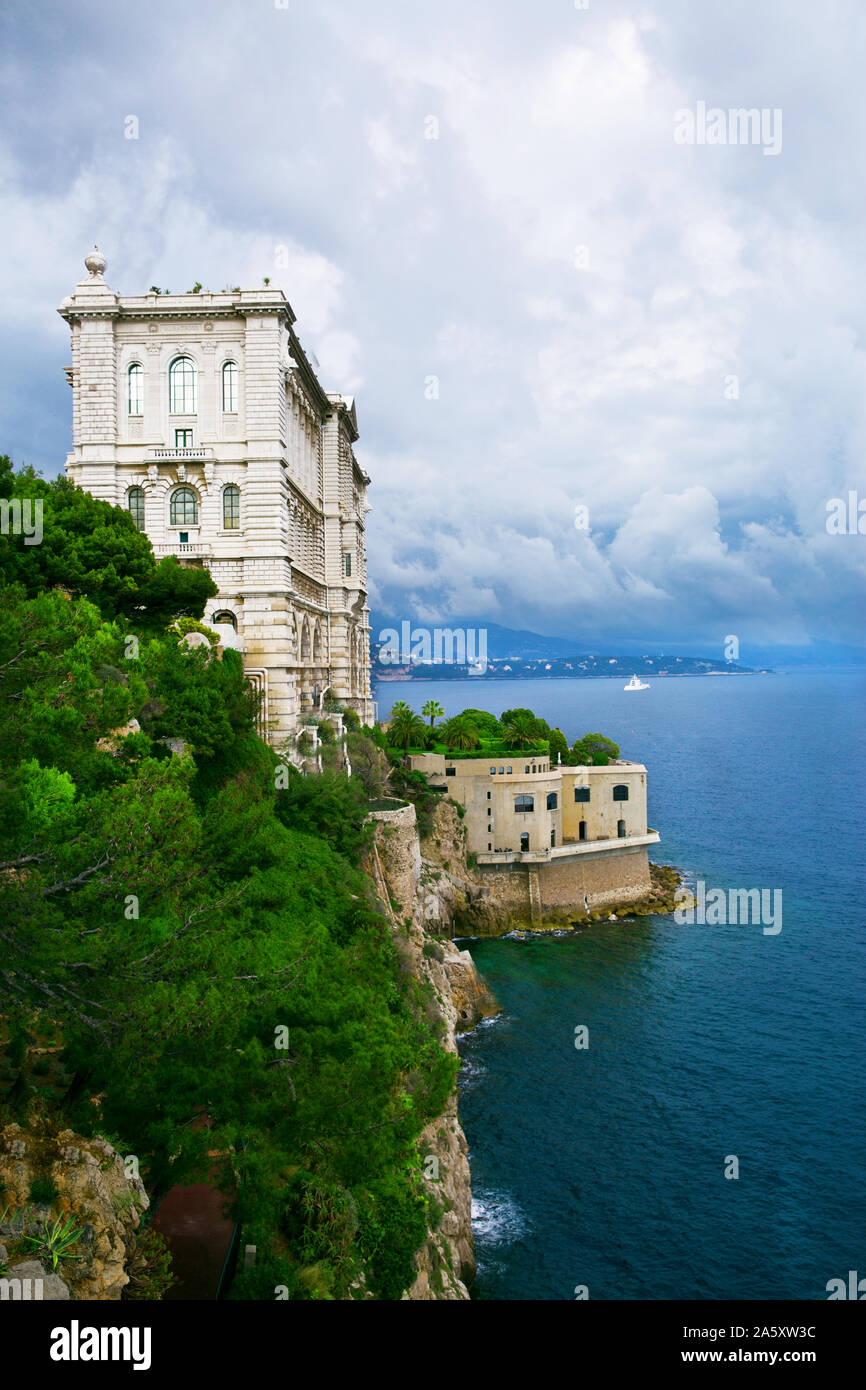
pixel 524 844
pixel 620 829
pixel 581 793
pixel 620 793
pixel 230 387
pixel 181 387
pixel 552 801
pixel 493 772
pixel 522 804
pixel 305 642
pixel 231 508
pixel 317 644
pixel 135 389
pixel 183 510
pixel 226 619
pixel 135 503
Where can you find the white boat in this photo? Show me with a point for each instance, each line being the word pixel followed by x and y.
pixel 635 684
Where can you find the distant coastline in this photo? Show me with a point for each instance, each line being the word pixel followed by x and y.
pixel 518 669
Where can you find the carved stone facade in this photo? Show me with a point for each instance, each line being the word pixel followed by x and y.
pixel 202 415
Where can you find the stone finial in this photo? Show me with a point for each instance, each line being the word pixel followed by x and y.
pixel 96 263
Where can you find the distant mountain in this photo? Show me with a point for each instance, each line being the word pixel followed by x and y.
pixel 501 641
pixel 504 643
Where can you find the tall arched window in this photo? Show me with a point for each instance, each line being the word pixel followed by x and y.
pixel 183 510
pixel 135 503
pixel 230 387
pixel 135 389
pixel 181 387
pixel 552 801
pixel 231 508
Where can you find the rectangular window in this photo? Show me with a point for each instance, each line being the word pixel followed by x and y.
pixel 450 772
pixel 347 563
pixel 136 389
pixel 581 793
pixel 230 388
pixel 183 439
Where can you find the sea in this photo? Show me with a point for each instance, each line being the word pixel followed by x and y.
pixel 675 1111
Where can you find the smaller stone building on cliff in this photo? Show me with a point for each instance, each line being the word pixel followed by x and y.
pixel 551 841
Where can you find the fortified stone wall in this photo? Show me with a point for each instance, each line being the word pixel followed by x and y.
pixel 491 899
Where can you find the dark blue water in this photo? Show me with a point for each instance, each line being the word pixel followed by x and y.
pixel 605 1167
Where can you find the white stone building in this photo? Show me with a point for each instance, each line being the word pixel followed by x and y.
pixel 202 415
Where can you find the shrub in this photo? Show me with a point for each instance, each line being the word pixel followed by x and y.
pixel 43 1191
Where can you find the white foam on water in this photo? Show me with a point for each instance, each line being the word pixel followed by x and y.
pixel 497 1219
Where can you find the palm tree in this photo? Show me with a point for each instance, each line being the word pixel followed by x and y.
pixel 433 711
pixel 406 728
pixel 460 733
pixel 400 707
pixel 521 730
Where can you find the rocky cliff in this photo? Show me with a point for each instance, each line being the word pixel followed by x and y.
pixel 420 903
pixel 47 1174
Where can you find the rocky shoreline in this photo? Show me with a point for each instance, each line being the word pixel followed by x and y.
pixel 432 895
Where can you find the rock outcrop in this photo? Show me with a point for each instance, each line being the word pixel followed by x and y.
pixel 420 913
pixel 46 1174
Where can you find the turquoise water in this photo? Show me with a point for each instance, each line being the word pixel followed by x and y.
pixel 605 1167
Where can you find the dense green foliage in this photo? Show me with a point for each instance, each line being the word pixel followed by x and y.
pixel 198 927
pixel 88 547
pixel 476 733
pixel 594 749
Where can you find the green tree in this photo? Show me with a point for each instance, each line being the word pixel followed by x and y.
pixel 487 724
pixel 169 935
pixel 433 711
pixel 460 733
pixel 91 548
pixel 521 728
pixel 594 750
pixel 407 728
pixel 558 745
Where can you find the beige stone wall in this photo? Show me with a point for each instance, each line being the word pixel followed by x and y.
pixel 611 878
pixel 489 794
pixel 601 813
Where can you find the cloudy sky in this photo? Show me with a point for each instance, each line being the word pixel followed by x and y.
pixel 542 300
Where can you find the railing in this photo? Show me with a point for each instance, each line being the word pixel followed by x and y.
pixel 185 548
pixel 180 453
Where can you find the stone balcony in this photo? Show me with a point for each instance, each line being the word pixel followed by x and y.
pixel 184 548
pixel 568 849
pixel 158 455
